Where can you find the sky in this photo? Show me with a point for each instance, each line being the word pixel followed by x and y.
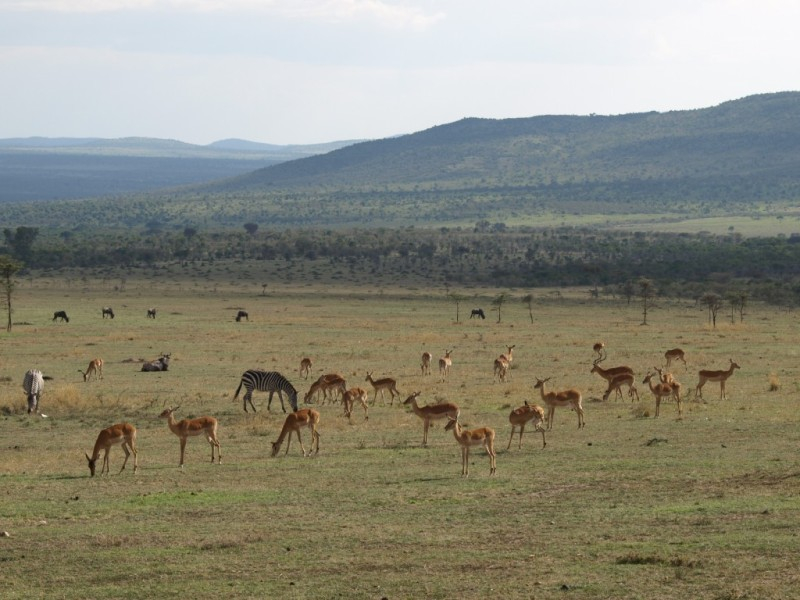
pixel 313 71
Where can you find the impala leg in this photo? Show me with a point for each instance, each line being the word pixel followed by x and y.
pixel 521 431
pixel 127 454
pixel 425 433
pixel 465 461
pixel 513 427
pixel 105 461
pixel 183 449
pixel 300 441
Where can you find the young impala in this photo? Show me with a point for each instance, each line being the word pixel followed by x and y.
pixel 191 427
pixel 379 385
pixel 305 417
pixel 121 433
pixel 425 365
pixel 520 416
pixel 349 399
pixel 95 367
pixel 553 400
pixel 431 412
pixel 675 354
pixel 305 367
pixel 466 438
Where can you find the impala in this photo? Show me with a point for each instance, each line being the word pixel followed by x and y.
pixel 609 374
pixel 616 384
pixel 191 427
pixel 663 390
pixel 675 354
pixel 466 438
pixel 553 400
pixel 431 412
pixel 721 376
pixel 599 349
pixel 425 365
pixel 95 367
pixel 305 367
pixel 305 417
pixel 520 416
pixel 121 433
pixel 500 369
pixel 332 382
pixel 349 399
pixel 381 385
pixel 445 363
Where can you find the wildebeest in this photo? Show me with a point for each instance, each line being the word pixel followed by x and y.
pixel 242 314
pixel 477 312
pixel 159 364
pixel 60 314
pixel 151 313
pixel 108 311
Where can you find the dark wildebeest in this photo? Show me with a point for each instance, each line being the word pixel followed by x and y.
pixel 60 314
pixel 477 312
pixel 108 311
pixel 159 364
pixel 151 313
pixel 242 314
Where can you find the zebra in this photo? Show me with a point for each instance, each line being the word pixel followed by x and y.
pixel 107 310
pixel 33 384
pixel 61 314
pixel 242 314
pixel 266 381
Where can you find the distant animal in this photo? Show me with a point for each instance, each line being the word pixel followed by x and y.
pixel 307 417
pixel 33 385
pixel 186 427
pixel 675 354
pixel 266 381
pixel 425 365
pixel 96 367
pixel 159 364
pixel 151 313
pixel 305 367
pixel 108 312
pixel 599 349
pixel 477 312
pixel 445 363
pixel 242 314
pixel 60 314
pixel 121 433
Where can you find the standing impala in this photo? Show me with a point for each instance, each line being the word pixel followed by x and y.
pixel 721 376
pixel 121 433
pixel 520 416
pixel 305 367
pixel 445 363
pixel 663 390
pixel 552 400
pixel 190 427
pixel 305 417
pixel 379 385
pixel 425 365
pixel 466 438
pixel 431 412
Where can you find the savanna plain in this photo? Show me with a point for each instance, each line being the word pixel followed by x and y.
pixel 631 506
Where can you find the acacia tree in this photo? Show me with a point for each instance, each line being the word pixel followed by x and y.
pixel 646 292
pixel 498 303
pixel 8 268
pixel 527 300
pixel 458 299
pixel 713 302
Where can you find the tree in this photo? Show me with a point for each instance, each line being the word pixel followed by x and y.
pixel 8 268
pixel 646 292
pixel 498 303
pixel 527 300
pixel 713 302
pixel 251 228
pixel 21 241
pixel 458 299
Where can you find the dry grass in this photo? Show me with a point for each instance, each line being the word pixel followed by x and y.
pixel 630 507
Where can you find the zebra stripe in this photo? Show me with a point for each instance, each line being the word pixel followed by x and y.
pixel 266 381
pixel 33 384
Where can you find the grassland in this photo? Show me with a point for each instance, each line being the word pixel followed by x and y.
pixel 630 507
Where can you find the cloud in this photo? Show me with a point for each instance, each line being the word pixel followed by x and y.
pixel 394 15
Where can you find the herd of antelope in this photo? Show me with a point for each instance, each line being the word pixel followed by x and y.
pixel 332 387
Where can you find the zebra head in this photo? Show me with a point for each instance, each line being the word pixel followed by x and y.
pixel 293 399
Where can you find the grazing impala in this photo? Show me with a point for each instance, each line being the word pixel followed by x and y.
pixel 721 376
pixel 675 354
pixel 615 385
pixel 191 427
pixel 305 417
pixel 663 390
pixel 520 416
pixel 445 363
pixel 121 433
pixel 379 385
pixel 431 412
pixel 349 399
pixel 305 367
pixel 95 367
pixel 425 365
pixel 466 438
pixel 553 400
pixel 330 383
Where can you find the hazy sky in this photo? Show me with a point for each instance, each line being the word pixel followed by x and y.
pixel 303 71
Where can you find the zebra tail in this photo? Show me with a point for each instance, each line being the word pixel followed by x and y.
pixel 238 389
